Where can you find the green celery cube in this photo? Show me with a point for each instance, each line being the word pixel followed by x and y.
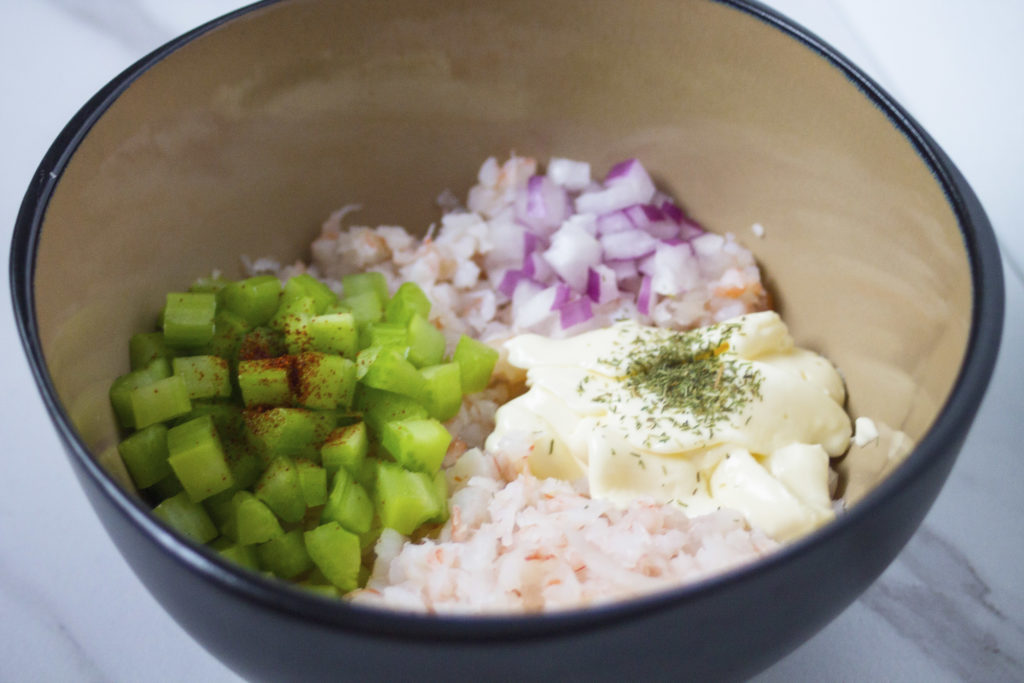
pixel 243 555
pixel 345 447
pixel 358 283
pixel 285 556
pixel 334 333
pixel 407 301
pixel 197 458
pixel 313 482
pixel 348 504
pixel 405 500
pixel 336 553
pixel 386 368
pixel 416 444
pixel 145 455
pixel 280 489
pixel 188 319
pixel 255 299
pixel 228 331
pixel 254 520
pixel 160 401
pixel 187 517
pixel 294 432
pixel 365 308
pixel 443 390
pixel 121 389
pixel 476 362
pixel 305 285
pixel 325 381
pixel 260 343
pixel 426 342
pixel 205 376
pixel 380 407
pixel 266 381
pixel 145 347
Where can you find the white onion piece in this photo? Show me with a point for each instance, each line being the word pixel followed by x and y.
pixel 623 269
pixel 573 251
pixel 616 221
pixel 626 184
pixel 535 309
pixel 627 245
pixel 525 291
pixel 602 285
pixel 572 175
pixel 542 205
pixel 675 269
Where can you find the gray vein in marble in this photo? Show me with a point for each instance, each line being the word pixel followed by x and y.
pixel 946 610
pixel 126 22
pixel 34 605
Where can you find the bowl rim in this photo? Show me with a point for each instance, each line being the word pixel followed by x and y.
pixel 949 427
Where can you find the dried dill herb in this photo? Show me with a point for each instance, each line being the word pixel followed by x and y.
pixel 690 372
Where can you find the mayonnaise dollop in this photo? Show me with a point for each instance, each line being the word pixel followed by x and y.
pixel 754 432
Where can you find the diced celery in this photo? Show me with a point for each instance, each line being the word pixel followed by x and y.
pixel 188 319
pixel 262 342
pixel 334 333
pixel 205 376
pixel 312 481
pixel 366 307
pixel 266 381
pixel 348 504
pixel 254 520
pixel 197 458
pixel 476 363
pixel 145 455
pixel 387 369
pixel 326 590
pixel 285 556
pixel 345 447
pixel 280 489
pixel 166 487
pixel 221 508
pixel 426 342
pixel 358 283
pixel 407 301
pixel 443 390
pixel 337 554
pixel 162 400
pixel 416 444
pixel 122 388
pixel 145 347
pixel 228 331
pixel 405 499
pixel 386 334
pixel 380 407
pixel 295 432
pixel 243 555
pixel 255 299
pixel 305 285
pixel 440 483
pixel 325 381
pixel 187 517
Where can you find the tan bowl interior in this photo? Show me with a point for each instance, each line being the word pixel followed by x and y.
pixel 244 140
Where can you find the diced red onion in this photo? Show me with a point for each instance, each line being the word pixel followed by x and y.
pixel 510 281
pixel 562 295
pixel 626 184
pixel 623 269
pixel 602 285
pixel 573 250
pixel 574 312
pixel 672 212
pixel 645 296
pixel 542 205
pixel 626 245
pixel 534 309
pixel 616 221
pixel 663 229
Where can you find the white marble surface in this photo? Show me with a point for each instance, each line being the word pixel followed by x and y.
pixel 950 608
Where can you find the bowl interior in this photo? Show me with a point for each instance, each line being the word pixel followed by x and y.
pixel 244 139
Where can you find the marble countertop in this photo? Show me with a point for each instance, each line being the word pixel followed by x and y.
pixel 948 609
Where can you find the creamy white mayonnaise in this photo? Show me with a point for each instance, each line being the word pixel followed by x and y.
pixel 765 454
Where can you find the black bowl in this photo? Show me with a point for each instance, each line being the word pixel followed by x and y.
pixel 243 134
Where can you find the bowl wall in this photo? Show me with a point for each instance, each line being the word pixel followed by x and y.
pixel 244 138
